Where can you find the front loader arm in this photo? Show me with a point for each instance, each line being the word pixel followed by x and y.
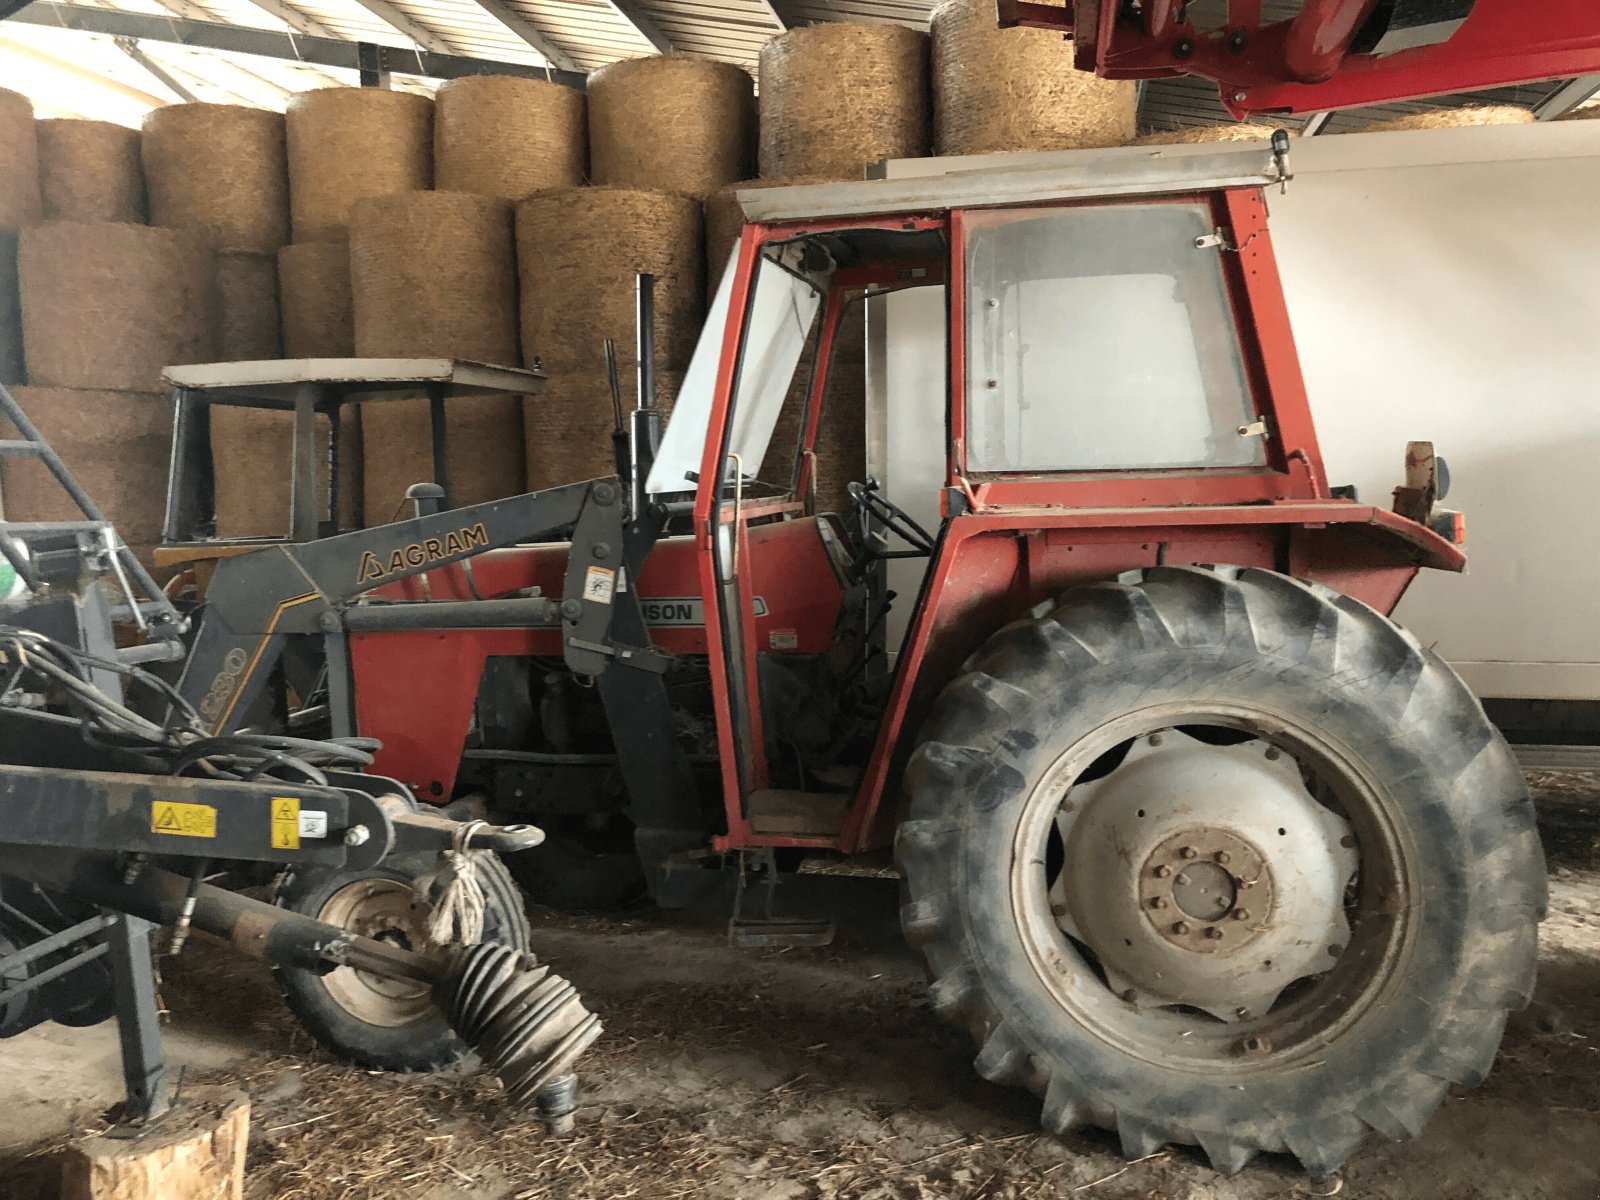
pixel 256 601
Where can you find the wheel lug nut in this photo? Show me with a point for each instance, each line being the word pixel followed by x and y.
pixel 1335 951
pixel 1182 879
pixel 1213 932
pixel 1222 856
pixel 1241 914
pixel 1155 739
pixel 1130 995
pixel 1163 871
pixel 1058 910
pixel 1158 902
pixel 1273 754
pixel 1188 852
pixel 1348 841
pixel 1180 927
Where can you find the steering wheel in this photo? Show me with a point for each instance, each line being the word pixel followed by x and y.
pixel 878 515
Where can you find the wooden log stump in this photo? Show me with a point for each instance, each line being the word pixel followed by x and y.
pixel 194 1152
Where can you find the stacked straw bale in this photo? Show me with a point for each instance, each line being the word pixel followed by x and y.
pixel 218 170
pixel 19 162
pixel 1452 118
pixel 838 97
pixel 319 322
pixel 116 443
pixel 314 297
pixel 12 365
pixel 1242 131
pixel 998 90
pixel 1589 112
pixel 107 306
pixel 433 274
pixel 90 171
pixel 841 445
pixel 499 135
pixel 578 251
pixel 671 123
pixel 346 144
pixel 250 448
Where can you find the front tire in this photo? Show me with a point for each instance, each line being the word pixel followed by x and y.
pixel 381 1024
pixel 1221 858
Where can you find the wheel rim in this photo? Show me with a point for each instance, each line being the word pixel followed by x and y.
pixel 1141 845
pixel 386 910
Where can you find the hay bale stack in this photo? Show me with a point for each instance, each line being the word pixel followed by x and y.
pixel 1239 131
pixel 997 90
pixel 578 251
pixel 12 363
pixel 499 135
pixel 118 444
pixel 314 300
pixel 673 124
pixel 841 445
pixel 433 273
pixel 1452 118
pixel 19 153
pixel 837 97
pixel 218 170
pixel 247 300
pixel 485 434
pixel 90 171
pixel 1589 112
pixel 346 144
pixel 107 306
pixel 568 425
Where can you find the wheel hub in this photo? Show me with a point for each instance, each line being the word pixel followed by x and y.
pixel 1203 875
pixel 1207 890
pixel 388 911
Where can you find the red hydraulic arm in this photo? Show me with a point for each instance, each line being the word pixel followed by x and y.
pixel 1332 53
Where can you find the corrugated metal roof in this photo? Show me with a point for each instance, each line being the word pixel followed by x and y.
pixel 58 68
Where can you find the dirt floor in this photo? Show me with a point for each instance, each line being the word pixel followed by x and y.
pixel 782 1075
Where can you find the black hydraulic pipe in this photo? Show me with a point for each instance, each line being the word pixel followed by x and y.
pixel 452 614
pixel 647 416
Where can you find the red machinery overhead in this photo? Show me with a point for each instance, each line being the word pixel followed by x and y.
pixel 1332 53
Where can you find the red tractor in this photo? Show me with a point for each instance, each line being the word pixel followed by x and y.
pixel 1197 843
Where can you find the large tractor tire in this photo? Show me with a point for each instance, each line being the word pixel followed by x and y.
pixel 386 1024
pixel 1221 858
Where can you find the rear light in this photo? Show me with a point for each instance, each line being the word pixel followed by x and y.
pixel 1449 524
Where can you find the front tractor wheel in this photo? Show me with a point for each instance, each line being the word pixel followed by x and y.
pixel 1221 858
pixel 386 1024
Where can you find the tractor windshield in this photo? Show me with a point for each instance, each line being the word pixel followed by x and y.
pixel 783 311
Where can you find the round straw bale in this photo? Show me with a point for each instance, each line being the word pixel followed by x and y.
pixel 1239 131
pixel 90 171
pixel 346 144
pixel 1452 118
pixel 434 274
pixel 117 444
pixel 485 460
pixel 499 135
pixel 247 300
pixel 578 251
pixel 1588 112
pixel 109 306
pixel 314 298
pixel 218 170
pixel 725 220
pixel 19 155
pixel 997 90
pixel 674 123
pixel 837 97
pixel 568 425
pixel 251 467
pixel 11 360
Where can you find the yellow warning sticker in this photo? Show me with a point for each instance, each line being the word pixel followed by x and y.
pixel 285 823
pixel 183 820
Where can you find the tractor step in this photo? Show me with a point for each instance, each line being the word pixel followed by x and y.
pixel 763 928
pixel 798 814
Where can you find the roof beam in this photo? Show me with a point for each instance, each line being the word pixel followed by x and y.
pixel 238 39
pixel 405 26
pixel 643 24
pixel 130 47
pixel 784 17
pixel 295 19
pixel 1566 97
pixel 1315 124
pixel 524 29
pixel 122 91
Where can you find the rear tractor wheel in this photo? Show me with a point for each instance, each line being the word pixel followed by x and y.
pixel 386 1024
pixel 1221 858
